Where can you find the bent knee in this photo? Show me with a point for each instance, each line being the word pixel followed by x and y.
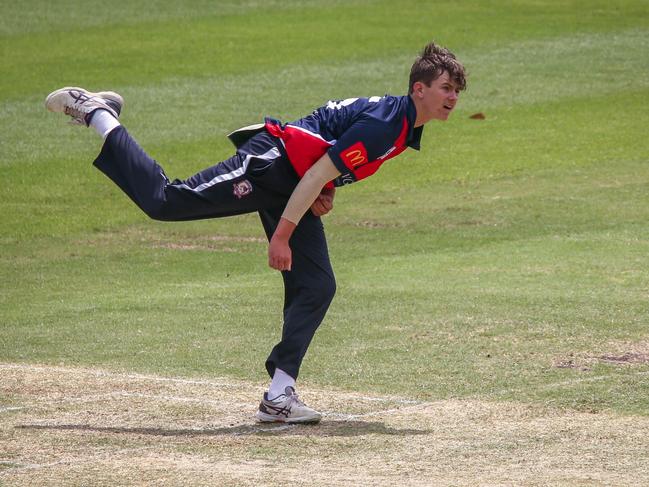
pixel 331 288
pixel 323 289
pixel 160 212
pixel 156 212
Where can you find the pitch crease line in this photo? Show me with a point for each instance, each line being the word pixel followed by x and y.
pixel 12 408
pixel 211 402
pixel 64 401
pixel 565 383
pixel 87 459
pixel 105 373
pixel 206 382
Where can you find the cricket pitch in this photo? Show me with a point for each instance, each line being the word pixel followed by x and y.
pixel 81 426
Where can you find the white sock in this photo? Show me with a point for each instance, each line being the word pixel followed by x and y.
pixel 281 380
pixel 103 122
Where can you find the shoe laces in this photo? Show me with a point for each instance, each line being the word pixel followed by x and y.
pixel 295 399
pixel 77 115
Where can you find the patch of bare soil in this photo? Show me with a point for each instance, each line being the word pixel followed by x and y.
pixel 571 362
pixel 626 358
pixel 69 426
pixel 622 353
pixel 373 224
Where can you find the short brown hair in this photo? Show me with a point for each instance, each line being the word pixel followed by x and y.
pixel 432 62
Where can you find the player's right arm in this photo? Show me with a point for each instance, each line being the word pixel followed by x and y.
pixel 304 194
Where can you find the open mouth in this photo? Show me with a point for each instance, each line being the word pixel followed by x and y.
pixel 448 107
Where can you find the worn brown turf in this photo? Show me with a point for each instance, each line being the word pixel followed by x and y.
pixel 69 426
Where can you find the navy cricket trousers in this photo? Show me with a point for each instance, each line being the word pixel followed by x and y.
pixel 258 178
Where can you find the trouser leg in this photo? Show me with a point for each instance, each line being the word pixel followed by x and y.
pixel 309 288
pixel 229 188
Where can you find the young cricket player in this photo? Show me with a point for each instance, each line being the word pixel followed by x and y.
pixel 288 174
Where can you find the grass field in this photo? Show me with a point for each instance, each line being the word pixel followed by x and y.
pixel 491 321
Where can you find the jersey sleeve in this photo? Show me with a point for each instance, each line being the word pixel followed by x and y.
pixel 357 152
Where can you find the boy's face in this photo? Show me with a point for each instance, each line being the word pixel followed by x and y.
pixel 438 100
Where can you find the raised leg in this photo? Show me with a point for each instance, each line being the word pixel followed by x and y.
pixel 232 187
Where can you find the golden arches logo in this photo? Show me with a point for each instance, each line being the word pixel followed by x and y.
pixel 356 157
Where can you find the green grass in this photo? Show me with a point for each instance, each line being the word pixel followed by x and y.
pixel 519 240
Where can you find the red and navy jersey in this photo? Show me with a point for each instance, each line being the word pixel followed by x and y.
pixel 359 134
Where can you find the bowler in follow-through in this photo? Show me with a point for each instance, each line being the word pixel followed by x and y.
pixel 280 171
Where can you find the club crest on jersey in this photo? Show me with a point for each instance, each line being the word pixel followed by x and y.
pixel 242 188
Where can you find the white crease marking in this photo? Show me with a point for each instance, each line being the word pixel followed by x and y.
pixel 103 373
pixel 210 402
pixel 564 383
pixel 388 399
pixel 207 382
pixel 408 403
pixel 65 400
pixel 80 460
pixel 11 408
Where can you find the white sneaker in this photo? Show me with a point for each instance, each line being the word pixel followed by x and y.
pixel 286 408
pixel 79 103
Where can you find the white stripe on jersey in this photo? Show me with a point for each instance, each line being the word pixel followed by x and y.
pixel 337 105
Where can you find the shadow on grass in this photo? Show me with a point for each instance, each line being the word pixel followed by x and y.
pixel 325 428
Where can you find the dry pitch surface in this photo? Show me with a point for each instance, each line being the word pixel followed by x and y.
pixel 73 426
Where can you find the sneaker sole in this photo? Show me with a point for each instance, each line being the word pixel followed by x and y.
pixel 269 418
pixel 53 106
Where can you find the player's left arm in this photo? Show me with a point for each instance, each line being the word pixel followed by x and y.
pixel 305 193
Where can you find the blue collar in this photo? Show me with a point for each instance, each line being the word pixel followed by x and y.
pixel 414 134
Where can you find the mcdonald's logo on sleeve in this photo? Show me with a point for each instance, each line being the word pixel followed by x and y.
pixel 354 156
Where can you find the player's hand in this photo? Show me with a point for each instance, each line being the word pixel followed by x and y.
pixel 279 254
pixel 324 203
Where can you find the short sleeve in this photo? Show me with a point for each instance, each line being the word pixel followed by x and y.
pixel 363 143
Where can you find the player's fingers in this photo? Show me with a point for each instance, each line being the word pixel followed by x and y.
pixel 318 208
pixel 328 204
pixel 280 263
pixel 274 261
pixel 283 264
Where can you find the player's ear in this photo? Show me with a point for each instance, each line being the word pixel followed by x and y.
pixel 418 88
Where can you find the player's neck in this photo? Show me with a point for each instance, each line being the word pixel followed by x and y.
pixel 421 118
